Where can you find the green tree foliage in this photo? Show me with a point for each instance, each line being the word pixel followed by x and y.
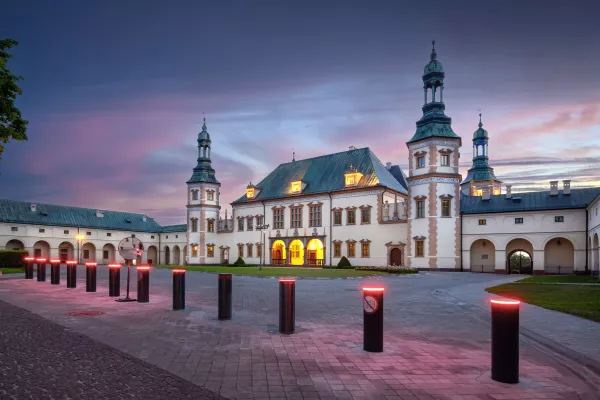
pixel 239 262
pixel 12 258
pixel 344 263
pixel 12 125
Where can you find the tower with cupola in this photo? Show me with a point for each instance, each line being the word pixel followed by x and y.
pixel 481 180
pixel 202 205
pixel 434 180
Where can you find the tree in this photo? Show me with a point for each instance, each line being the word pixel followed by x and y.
pixel 12 125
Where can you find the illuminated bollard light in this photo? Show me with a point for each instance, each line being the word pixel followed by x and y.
pixel 55 272
pixel 143 285
pixel 72 274
pixel 90 276
pixel 505 341
pixel 373 319
pixel 225 290
pixel 29 267
pixel 41 269
pixel 178 289
pixel 287 306
pixel 114 280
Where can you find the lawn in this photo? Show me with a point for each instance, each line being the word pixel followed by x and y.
pixel 12 270
pixel 561 279
pixel 583 301
pixel 275 271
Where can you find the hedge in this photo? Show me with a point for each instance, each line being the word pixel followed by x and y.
pixel 344 263
pixel 390 270
pixel 239 262
pixel 12 258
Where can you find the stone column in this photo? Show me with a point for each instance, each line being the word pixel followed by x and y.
pixel 538 262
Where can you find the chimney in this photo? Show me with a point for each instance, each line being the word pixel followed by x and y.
pixel 388 165
pixel 351 148
pixel 508 191
pixel 33 207
pixel 99 214
pixel 485 193
pixel 566 187
pixel 553 188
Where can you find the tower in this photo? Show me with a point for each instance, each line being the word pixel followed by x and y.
pixel 481 176
pixel 433 182
pixel 202 206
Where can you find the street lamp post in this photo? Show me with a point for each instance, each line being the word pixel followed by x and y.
pixel 79 238
pixel 261 228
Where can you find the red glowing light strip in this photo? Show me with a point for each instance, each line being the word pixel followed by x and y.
pixel 373 289
pixel 506 302
pixel 54 261
pixel 91 264
pixel 114 265
pixel 287 280
pixel 143 268
pixel 71 262
pixel 179 271
pixel 41 260
pixel 29 258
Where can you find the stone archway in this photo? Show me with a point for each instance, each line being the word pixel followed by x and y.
pixel 519 256
pixel 395 257
pixel 66 251
pixel 108 253
pixel 88 252
pixel 315 252
pixel 596 252
pixel 176 255
pixel 395 253
pixel 559 256
pixel 152 255
pixel 483 256
pixel 296 252
pixel 15 244
pixel 278 253
pixel 41 249
pixel 167 255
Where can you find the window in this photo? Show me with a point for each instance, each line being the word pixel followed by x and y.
pixel 259 221
pixel 278 218
pixel 132 236
pixel 66 232
pixel 351 217
pixel 420 208
pixel 14 229
pixel 195 250
pixel 315 216
pixel 337 217
pixel 194 223
pixel 37 252
pixel 518 220
pixel 482 222
pixel 365 250
pixel 445 160
pixel 337 249
pixel 296 187
pixel 420 248
pixel 484 256
pixel 88 233
pixel 210 250
pixel 259 250
pixel 296 221
pixel 241 224
pixel 105 254
pixel 210 195
pixel 86 254
pixel 42 230
pixel 365 216
pixel 420 161
pixel 210 225
pixel 152 237
pixel 110 234
pixel 351 249
pixel 249 249
pixel 350 180
pixel 250 193
pixel 240 250
pixel 559 218
pixel 176 236
pixel 166 237
pixel 194 195
pixel 445 208
pixel 250 224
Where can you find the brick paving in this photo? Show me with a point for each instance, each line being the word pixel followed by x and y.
pixel 435 347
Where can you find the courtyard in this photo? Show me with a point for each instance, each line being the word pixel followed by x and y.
pixel 437 339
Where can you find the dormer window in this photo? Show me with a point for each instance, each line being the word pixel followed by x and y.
pixel 296 187
pixel 250 193
pixel 352 177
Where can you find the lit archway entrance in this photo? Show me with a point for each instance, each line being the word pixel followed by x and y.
pixel 41 249
pixel 559 256
pixel 108 253
pixel 315 252
pixel 296 252
pixel 167 255
pixel 278 253
pixel 152 255
pixel 483 256
pixel 176 255
pixel 519 257
pixel 15 244
pixel 66 251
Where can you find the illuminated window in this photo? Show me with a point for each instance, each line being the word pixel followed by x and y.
pixel 278 218
pixel 250 193
pixel 337 249
pixel 296 221
pixel 350 217
pixel 420 161
pixel 240 250
pixel 315 216
pixel 420 208
pixel 337 217
pixel 365 250
pixel 296 187
pixel 250 224
pixel 194 222
pixel 482 222
pixel 350 180
pixel 352 176
pixel 249 249
pixel 210 226
pixel 479 192
pixel 210 250
pixel 210 196
pixel 497 192
pixel 240 225
pixel 445 160
pixel 365 216
pixel 194 251
pixel 445 208
pixel 419 245
pixel 351 249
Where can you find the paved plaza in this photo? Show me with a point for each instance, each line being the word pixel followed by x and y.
pixel 437 341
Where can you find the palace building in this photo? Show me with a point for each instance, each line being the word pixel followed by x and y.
pixel 312 212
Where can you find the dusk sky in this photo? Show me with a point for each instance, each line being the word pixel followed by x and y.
pixel 115 91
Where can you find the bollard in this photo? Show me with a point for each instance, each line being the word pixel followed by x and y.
pixel 90 276
pixel 505 341
pixel 29 267
pixel 55 272
pixel 143 285
pixel 71 274
pixel 373 319
pixel 287 307
pixel 114 280
pixel 225 306
pixel 178 289
pixel 41 269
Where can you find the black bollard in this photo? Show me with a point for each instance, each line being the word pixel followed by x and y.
pixel 178 289
pixel 225 290
pixel 29 267
pixel 287 306
pixel 71 274
pixel 90 276
pixel 41 269
pixel 55 272
pixel 505 341
pixel 373 319
pixel 143 285
pixel 114 280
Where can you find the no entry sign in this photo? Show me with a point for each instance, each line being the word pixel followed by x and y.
pixel 370 304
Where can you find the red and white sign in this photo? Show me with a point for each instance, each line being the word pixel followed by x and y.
pixel 370 304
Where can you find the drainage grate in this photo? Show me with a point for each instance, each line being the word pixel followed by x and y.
pixel 84 313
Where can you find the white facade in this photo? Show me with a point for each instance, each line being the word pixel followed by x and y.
pixel 593 235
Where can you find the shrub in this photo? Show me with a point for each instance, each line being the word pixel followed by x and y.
pixel 239 262
pixel 391 270
pixel 12 258
pixel 344 263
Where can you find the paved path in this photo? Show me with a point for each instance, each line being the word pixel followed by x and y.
pixel 436 345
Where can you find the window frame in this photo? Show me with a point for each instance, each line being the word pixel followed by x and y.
pixel 210 196
pixel 241 224
pixel 249 250
pixel 445 157
pixel 351 213
pixel 559 218
pixel 337 250
pixel 315 216
pixel 195 250
pixel 210 250
pixel 250 224
pixel 241 250
pixel 519 220
pixel 420 161
pixel 446 208
pixel 295 217
pixel 14 229
pixel 194 195
pixel 420 209
pixel 419 248
pixel 194 223
pixel 351 249
pixel 278 218
pixel 365 246
pixel 105 254
pixel 210 225
pixel 482 222
pixel 365 212
pixel 335 217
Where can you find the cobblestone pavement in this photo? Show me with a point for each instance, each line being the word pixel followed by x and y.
pixel 436 346
pixel 42 360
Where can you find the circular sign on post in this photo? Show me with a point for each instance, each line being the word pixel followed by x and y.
pixel 131 248
pixel 370 304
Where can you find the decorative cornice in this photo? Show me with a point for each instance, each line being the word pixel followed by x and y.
pixel 210 244
pixel 208 219
pixel 446 197
pixel 278 208
pixel 313 203
pixel 351 208
pixel 419 237
pixel 365 241
pixel 445 151
pixel 337 209
pixel 249 217
pixel 296 206
pixel 452 143
pixel 336 241
pixel 433 179
pixel 350 241
pixel 363 207
pixel 224 247
pixel 419 153
pixel 392 244
pixel 249 244
pixel 210 190
pixel 420 197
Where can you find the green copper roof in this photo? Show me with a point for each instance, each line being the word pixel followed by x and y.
pixel 481 170
pixel 529 201
pixel 203 172
pixel 174 228
pixel 326 174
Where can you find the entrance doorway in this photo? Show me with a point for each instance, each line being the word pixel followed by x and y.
pixel 278 255
pixel 315 252
pixel 296 252
pixel 519 262
pixel 395 257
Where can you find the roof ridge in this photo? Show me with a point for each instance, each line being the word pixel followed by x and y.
pixel 326 155
pixel 79 208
